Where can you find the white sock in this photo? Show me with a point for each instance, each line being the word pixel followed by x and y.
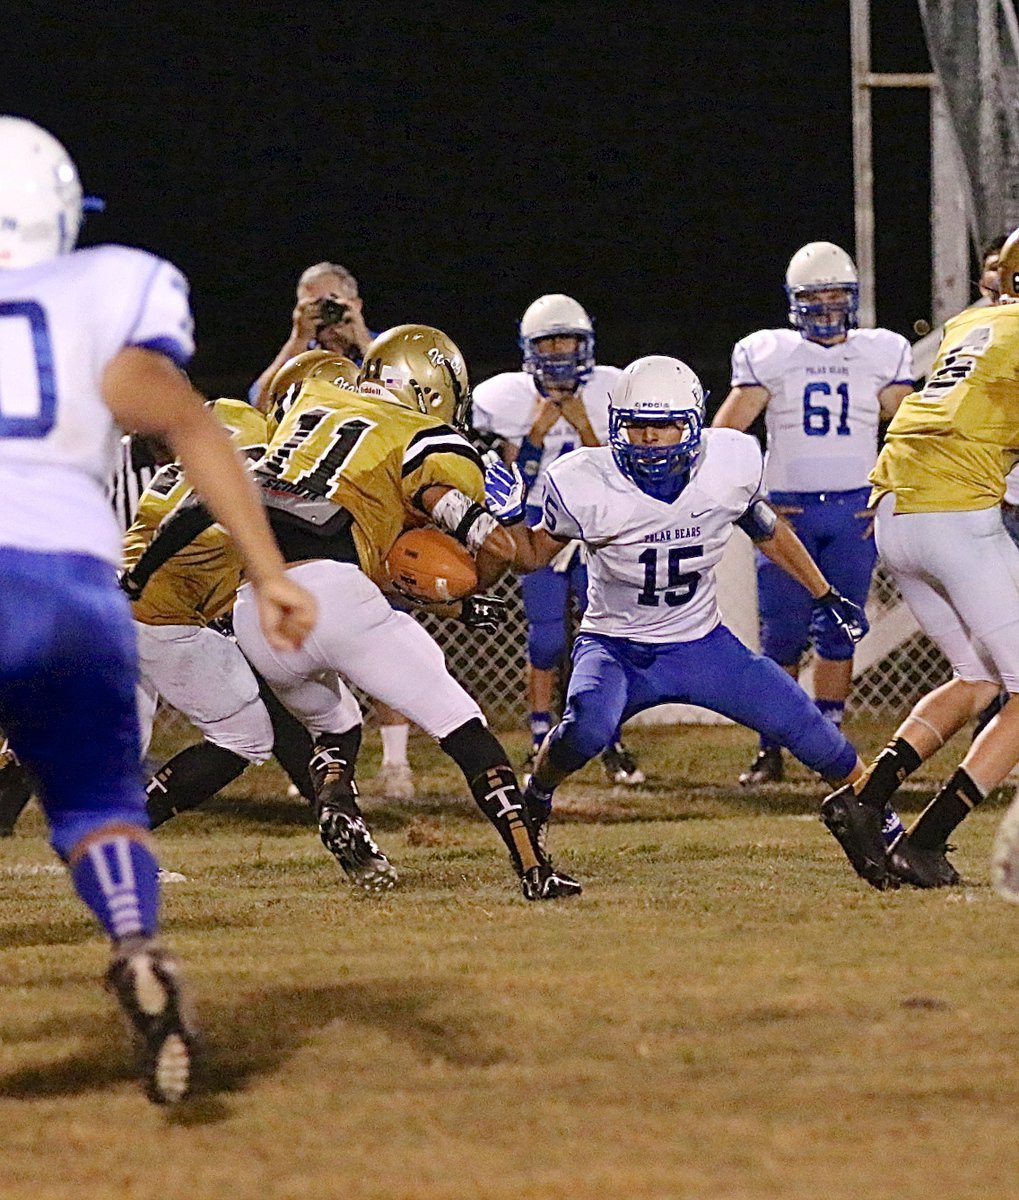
pixel 394 745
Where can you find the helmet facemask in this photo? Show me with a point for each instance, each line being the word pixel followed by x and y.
pixel 818 318
pixel 559 370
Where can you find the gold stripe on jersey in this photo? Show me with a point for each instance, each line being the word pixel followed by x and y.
pixel 200 582
pixel 371 456
pixel 950 446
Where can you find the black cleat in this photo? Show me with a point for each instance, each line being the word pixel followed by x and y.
pixel 347 839
pixel 920 866
pixel 148 986
pixel 620 766
pixel 545 882
pixel 857 828
pixel 15 792
pixel 766 768
pixel 539 809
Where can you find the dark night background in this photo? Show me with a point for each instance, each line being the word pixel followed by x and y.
pixel 660 163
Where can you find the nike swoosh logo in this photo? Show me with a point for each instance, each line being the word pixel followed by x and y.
pixel 703 511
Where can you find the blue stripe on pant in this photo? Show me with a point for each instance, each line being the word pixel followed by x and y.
pixel 67 689
pixel 833 533
pixel 615 678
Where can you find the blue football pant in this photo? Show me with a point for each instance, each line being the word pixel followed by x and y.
pixel 614 679
pixel 833 532
pixel 67 690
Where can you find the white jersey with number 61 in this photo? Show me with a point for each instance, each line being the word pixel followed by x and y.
pixel 61 323
pixel 651 563
pixel 823 411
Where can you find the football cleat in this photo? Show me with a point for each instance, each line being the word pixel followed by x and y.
pixel 539 809
pixel 923 867
pixel 857 828
pixel 395 781
pixel 347 839
pixel 147 984
pixel 766 768
pixel 545 882
pixel 620 766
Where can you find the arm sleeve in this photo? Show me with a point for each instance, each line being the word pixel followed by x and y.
pixel 743 373
pixel 439 456
pixel 556 516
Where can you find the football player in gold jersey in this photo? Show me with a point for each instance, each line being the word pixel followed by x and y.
pixel 937 490
pixel 343 476
pixel 194 668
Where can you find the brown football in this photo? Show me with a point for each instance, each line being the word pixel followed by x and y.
pixel 429 566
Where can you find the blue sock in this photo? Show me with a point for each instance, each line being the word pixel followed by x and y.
pixel 541 723
pixel 117 877
pixel 834 710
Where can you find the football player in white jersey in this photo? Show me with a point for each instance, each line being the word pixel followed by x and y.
pixel 823 387
pixel 557 402
pixel 91 340
pixel 655 509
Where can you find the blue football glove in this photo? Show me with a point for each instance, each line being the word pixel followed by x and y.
pixel 837 620
pixel 505 492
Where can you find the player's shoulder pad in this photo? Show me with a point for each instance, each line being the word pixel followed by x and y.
pixel 507 385
pixel 124 260
pixel 732 458
pixel 883 339
pixel 764 344
pixel 436 438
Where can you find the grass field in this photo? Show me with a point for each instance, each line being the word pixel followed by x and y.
pixel 728 1013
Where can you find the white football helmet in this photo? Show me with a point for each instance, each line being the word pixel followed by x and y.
pixel 662 391
pixel 40 195
pixel 551 316
pixel 822 266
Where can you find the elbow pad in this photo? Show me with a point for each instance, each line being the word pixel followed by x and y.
pixel 759 521
pixel 467 521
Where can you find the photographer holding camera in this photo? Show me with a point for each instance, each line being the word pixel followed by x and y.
pixel 327 314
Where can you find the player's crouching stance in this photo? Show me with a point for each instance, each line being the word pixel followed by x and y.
pixel 655 509
pixel 95 339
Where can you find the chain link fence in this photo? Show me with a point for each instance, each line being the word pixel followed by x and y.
pixel 492 666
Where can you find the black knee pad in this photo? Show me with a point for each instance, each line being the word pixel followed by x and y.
pixel 474 749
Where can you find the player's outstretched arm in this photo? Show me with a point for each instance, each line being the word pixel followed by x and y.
pixel 786 550
pixel 147 394
pixel 741 408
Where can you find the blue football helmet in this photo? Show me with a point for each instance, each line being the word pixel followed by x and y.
pixel 557 316
pixel 657 390
pixel 822 267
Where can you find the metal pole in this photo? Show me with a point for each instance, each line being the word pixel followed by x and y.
pixel 949 217
pixel 863 162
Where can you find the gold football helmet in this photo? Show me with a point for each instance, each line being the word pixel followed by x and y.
pixel 311 364
pixel 423 369
pixel 1008 266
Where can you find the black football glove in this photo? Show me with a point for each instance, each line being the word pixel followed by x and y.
pixel 483 612
pixel 836 618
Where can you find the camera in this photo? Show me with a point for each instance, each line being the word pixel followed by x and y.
pixel 331 312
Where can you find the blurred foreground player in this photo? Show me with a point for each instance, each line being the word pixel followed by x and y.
pixel 655 509
pixel 88 341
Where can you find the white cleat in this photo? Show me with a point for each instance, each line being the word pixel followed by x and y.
pixel 149 989
pixel 395 781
